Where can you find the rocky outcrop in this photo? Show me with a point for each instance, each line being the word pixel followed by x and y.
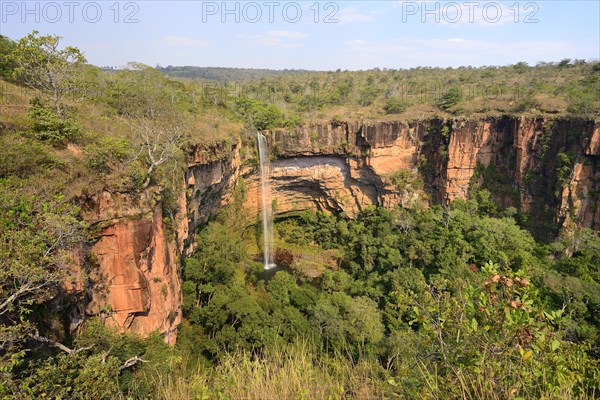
pixel 341 167
pixel 209 182
pixel 345 166
pixel 579 202
pixel 134 279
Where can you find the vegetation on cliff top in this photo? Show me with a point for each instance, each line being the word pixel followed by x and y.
pixel 441 303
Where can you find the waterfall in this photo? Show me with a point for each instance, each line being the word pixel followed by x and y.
pixel 267 207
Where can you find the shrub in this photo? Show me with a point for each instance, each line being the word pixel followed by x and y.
pixel 525 104
pixel 103 156
pixel 450 98
pixel 258 114
pixel 395 105
pixel 6 65
pixel 584 104
pixel 48 126
pixel 22 156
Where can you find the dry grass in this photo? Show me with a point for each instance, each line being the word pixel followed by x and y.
pixel 290 372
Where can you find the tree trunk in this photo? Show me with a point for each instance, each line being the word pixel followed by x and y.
pixel 57 106
pixel 148 176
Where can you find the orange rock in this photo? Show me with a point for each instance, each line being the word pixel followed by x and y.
pixel 136 279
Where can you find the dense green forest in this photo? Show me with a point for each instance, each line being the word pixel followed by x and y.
pixel 443 302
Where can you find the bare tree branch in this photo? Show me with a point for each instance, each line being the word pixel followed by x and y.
pixel 58 345
pixel 161 140
pixel 22 291
pixel 131 362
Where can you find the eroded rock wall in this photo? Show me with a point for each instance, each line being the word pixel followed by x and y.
pixel 341 167
pixel 352 163
pixel 134 281
pixel 346 166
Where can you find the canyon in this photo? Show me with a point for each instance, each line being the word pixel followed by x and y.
pixel 547 169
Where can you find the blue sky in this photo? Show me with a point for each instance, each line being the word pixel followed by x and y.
pixel 341 34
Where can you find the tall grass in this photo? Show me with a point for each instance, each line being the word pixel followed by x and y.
pixel 291 371
pixel 303 371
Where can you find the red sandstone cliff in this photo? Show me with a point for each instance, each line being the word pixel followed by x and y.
pixel 134 280
pixel 338 167
pixel 351 161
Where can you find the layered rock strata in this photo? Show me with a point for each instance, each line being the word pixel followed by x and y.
pixel 547 169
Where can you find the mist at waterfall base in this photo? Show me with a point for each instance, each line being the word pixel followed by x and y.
pixel 267 206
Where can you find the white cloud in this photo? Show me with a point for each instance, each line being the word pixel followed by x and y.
pixel 182 41
pixel 287 34
pixel 283 39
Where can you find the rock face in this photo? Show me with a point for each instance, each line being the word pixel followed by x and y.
pixel 579 201
pixel 134 278
pixel 547 169
pixel 345 166
pixel 209 182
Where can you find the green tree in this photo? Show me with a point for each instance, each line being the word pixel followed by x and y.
pixel 520 67
pixel 37 239
pixel 7 46
pixel 43 66
pixel 48 126
pixel 564 63
pixel 495 338
pixel 395 105
pixel 451 97
pixel 258 114
pixel 159 118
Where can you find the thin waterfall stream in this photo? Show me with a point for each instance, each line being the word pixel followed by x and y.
pixel 267 207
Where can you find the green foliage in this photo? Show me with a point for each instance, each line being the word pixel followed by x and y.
pixel 367 96
pixel 547 87
pixel 406 179
pixel 520 67
pixel 7 66
pixel 450 98
pixel 574 283
pixel 563 169
pixel 106 154
pixel 416 293
pixel 42 65
pixel 564 63
pixel 259 115
pixel 23 156
pixel 72 376
pixel 96 367
pixel 584 94
pixel 415 302
pixel 141 91
pixel 498 181
pixel 37 233
pixel 49 126
pixel 481 330
pixel 526 104
pixel 584 104
pixel 395 105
